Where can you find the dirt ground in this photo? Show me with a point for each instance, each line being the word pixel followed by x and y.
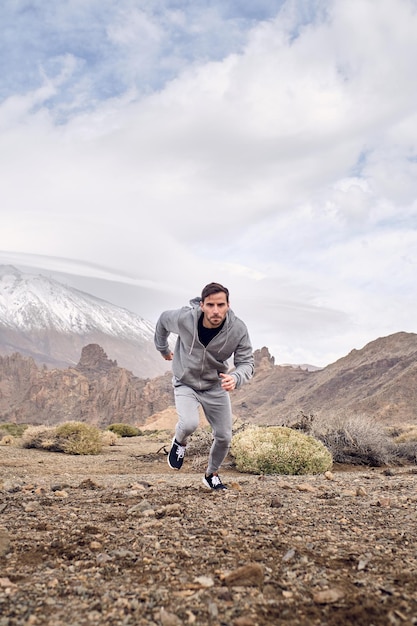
pixel 121 539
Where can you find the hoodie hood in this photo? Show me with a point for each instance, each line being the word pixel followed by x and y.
pixel 195 302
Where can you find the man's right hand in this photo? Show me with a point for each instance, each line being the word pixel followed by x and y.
pixel 168 357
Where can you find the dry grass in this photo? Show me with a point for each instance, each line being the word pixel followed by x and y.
pixel 351 438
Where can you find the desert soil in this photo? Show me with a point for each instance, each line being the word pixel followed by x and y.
pixel 120 539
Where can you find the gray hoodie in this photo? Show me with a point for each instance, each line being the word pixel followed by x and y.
pixel 199 366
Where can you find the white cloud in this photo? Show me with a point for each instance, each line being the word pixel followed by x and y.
pixel 170 145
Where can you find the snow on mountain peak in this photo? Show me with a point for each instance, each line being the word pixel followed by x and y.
pixel 31 302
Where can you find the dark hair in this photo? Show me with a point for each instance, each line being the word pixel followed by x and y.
pixel 212 288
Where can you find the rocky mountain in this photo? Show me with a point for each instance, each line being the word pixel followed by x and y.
pixel 45 320
pixel 96 390
pixel 378 381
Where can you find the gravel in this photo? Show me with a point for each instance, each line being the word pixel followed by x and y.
pixel 120 539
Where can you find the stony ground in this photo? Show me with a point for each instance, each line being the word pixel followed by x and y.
pixel 120 539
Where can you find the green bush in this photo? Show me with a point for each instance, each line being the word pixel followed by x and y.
pixel 124 430
pixel 279 450
pixel 78 438
pixel 15 430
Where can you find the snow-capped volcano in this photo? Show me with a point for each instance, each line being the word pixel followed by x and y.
pixel 43 318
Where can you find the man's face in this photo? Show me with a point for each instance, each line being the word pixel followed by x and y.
pixel 215 308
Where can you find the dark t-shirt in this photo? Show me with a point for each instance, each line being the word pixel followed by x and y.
pixel 205 335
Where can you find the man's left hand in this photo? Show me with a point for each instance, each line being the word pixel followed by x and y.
pixel 228 382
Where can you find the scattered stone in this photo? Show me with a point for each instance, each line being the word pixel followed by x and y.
pixel 5 583
pixel 88 484
pixel 4 541
pixel 172 509
pixel 244 621
pixel 30 507
pixel 363 562
pixel 55 488
pixel 250 575
pixel 86 560
pixel 328 596
pixel 306 487
pixel 61 494
pixel 142 508
pixel 288 555
pixel 204 581
pixel 140 486
pixel 213 610
pixel 169 619
pixel 384 502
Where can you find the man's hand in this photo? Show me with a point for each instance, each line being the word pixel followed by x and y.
pixel 168 357
pixel 228 382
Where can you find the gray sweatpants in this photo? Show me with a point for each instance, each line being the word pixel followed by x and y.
pixel 216 405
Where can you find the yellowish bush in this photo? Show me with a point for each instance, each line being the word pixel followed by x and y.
pixel 279 450
pixel 9 428
pixel 124 430
pixel 7 440
pixel 70 438
pixel 78 438
pixel 109 438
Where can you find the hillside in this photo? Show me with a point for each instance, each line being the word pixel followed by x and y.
pixel 96 390
pixel 378 381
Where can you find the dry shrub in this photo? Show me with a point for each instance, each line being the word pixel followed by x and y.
pixel 70 438
pixel 7 440
pixel 354 439
pixel 109 438
pixel 199 443
pixel 279 450
pixel 408 434
pixel 198 448
pixel 39 437
pixel 407 450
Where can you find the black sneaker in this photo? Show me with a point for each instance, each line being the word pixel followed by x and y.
pixel 176 455
pixel 212 481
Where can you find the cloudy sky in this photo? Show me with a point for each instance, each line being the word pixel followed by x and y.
pixel 148 147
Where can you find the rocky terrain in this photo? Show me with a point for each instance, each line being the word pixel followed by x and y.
pixel 96 390
pixel 377 381
pixel 120 539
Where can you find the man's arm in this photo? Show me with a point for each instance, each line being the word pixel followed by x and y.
pixel 166 324
pixel 244 362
